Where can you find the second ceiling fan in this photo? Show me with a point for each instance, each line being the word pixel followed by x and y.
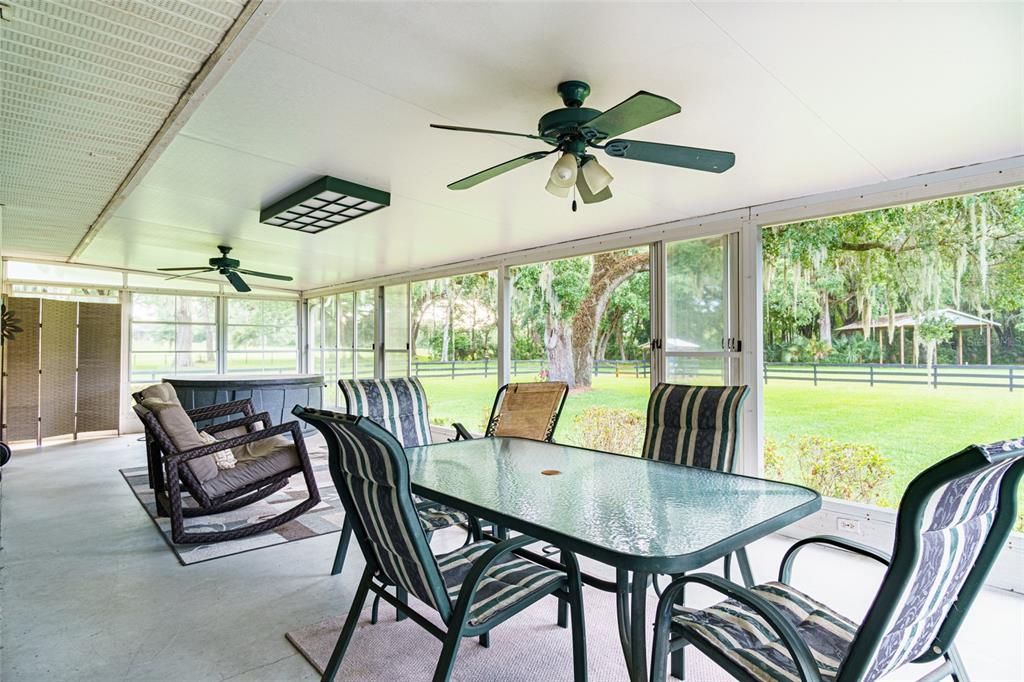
pixel 575 129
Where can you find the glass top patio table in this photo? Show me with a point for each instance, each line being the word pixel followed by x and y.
pixel 631 513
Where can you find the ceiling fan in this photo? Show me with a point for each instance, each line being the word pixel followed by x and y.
pixel 227 267
pixel 574 129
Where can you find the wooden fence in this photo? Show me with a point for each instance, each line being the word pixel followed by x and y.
pixel 1004 377
pixel 489 367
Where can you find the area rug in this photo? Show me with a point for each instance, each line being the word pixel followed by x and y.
pixel 324 518
pixel 528 646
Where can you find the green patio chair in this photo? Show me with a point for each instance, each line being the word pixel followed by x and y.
pixel 953 522
pixel 400 406
pixel 473 588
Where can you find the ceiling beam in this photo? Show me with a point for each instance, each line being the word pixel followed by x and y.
pixel 242 32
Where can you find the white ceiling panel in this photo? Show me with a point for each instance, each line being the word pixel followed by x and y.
pixel 85 86
pixel 912 87
pixel 810 97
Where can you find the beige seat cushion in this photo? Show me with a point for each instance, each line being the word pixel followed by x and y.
pixel 247 471
pixel 161 400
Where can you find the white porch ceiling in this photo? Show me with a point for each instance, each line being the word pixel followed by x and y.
pixel 84 86
pixel 811 97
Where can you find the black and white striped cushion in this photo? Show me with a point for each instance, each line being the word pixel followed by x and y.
pixel 732 629
pixel 437 516
pixel 956 523
pixel 371 474
pixel 694 425
pixel 506 583
pixel 399 405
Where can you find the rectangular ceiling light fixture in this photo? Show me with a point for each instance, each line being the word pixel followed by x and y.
pixel 323 204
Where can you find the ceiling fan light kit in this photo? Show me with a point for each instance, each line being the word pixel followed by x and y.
pixel 574 128
pixel 323 204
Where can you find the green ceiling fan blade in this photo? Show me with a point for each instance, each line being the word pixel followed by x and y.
pixel 463 129
pixel 192 271
pixel 254 273
pixel 710 160
pixel 495 171
pixel 639 110
pixel 586 195
pixel 236 281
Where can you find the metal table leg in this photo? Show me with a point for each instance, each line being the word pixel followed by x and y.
pixel 631 611
pixel 638 628
pixel 622 611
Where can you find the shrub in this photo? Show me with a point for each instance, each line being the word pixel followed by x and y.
pixel 610 429
pixel 848 471
pixel 773 462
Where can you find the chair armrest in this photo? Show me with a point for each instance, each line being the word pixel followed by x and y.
pixel 461 432
pixel 476 572
pixel 203 450
pixel 786 568
pixel 794 643
pixel 261 418
pixel 243 407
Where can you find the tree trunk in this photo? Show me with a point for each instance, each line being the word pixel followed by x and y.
pixel 825 320
pixel 183 332
pixel 446 330
pixel 610 271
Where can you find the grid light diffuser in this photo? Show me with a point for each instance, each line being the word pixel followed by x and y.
pixel 323 204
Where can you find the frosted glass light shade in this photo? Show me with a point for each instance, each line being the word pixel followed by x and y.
pixel 564 172
pixel 552 188
pixel 596 176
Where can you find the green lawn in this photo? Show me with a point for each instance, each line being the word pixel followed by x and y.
pixel 912 426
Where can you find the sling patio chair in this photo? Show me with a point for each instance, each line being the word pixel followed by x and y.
pixel 473 588
pixel 398 405
pixel 184 462
pixel 697 426
pixel 952 523
pixel 528 410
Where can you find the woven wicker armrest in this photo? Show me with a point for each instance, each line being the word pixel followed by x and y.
pixel 290 427
pixel 243 407
pixel 261 418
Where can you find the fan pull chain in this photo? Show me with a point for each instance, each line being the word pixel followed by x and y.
pixel 574 198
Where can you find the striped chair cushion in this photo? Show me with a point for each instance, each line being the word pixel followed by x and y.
pixel 694 425
pixel 435 516
pixel 956 523
pixel 748 641
pixel 399 405
pixel 371 473
pixel 506 583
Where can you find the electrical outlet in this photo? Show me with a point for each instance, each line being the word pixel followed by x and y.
pixel 848 525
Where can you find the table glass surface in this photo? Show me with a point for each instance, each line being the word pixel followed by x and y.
pixel 619 505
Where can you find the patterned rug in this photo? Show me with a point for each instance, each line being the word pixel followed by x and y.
pixel 324 518
pixel 528 646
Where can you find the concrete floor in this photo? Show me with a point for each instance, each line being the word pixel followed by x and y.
pixel 91 592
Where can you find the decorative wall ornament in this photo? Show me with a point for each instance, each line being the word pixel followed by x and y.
pixel 9 325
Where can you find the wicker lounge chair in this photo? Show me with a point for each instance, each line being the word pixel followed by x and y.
pixel 181 460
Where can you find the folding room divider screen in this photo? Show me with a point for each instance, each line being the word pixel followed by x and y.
pixel 63 371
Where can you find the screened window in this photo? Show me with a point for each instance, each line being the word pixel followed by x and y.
pixel 587 321
pixel 454 332
pixel 341 333
pixel 262 336
pixel 172 335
